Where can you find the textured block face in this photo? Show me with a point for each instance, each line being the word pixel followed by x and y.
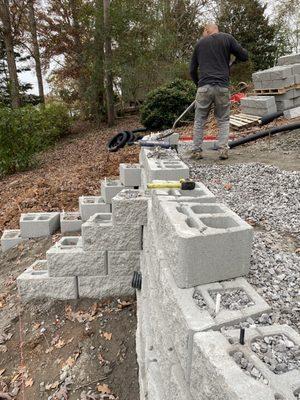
pixel 39 224
pixel 293 113
pixel 35 283
pixel 278 83
pixel 289 59
pixel 281 72
pixel 130 207
pixel 67 258
pixel 100 233
pixel 109 189
pixel 204 245
pixel 216 375
pixel 130 175
pixel 90 205
pixel 100 287
pixel 172 170
pixel 265 102
pixel 10 239
pixel 284 105
pixel 70 222
pixel 123 263
pixel 260 112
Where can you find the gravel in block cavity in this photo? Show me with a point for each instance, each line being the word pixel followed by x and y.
pixel 248 367
pixel 133 166
pixel 278 352
pixel 70 217
pixel 199 300
pixel 162 154
pixel 130 194
pixel 232 299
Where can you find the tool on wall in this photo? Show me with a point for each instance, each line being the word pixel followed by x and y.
pixel 183 184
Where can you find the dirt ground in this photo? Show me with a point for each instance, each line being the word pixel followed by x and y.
pixel 80 350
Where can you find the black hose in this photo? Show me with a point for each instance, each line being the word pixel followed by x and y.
pixel 270 117
pixel 258 135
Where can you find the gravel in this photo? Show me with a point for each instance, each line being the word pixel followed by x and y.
pixel 199 300
pixel 248 367
pixel 232 299
pixel 269 199
pixel 278 352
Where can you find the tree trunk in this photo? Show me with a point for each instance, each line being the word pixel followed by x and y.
pixel 9 47
pixel 108 64
pixel 36 50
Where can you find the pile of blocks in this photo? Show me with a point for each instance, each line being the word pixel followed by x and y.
pixel 258 105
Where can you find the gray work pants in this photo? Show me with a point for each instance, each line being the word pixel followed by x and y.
pixel 207 96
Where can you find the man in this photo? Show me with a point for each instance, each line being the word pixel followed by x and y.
pixel 212 57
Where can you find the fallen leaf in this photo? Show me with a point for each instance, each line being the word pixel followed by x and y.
pixel 3 348
pixel 61 343
pixel 49 350
pixel 101 359
pixel 228 186
pixel 103 389
pixel 36 326
pixel 124 304
pixel 29 382
pixel 107 335
pixel 53 385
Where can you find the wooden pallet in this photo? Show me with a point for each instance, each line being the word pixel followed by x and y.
pixel 240 121
pixel 275 91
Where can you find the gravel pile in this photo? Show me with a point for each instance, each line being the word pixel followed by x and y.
pixel 232 299
pixel 248 367
pixel 278 352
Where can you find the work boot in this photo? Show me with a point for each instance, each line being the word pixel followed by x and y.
pixel 223 153
pixel 195 154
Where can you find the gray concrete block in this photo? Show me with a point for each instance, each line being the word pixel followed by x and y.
pixel 297 102
pixel 260 76
pixel 10 238
pixel 297 79
pixel 70 222
pixel 289 59
pixel 204 247
pixel 296 68
pixel 216 375
pixel 257 112
pixel 130 207
pixel 35 283
pixel 123 262
pixel 130 175
pixel 257 85
pixel 90 205
pixel 278 83
pixel 99 233
pixel 110 188
pixel 289 95
pixel 170 170
pixel 284 383
pixel 39 224
pixel 281 72
pixel 100 287
pixel 67 258
pixel 284 105
pixel 260 102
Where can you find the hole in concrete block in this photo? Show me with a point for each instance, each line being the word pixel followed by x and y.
pixel 39 266
pixel 44 217
pixel 112 183
pixel 278 352
pixel 248 367
pixel 297 393
pixel 279 397
pixel 232 299
pixel 69 242
pixel 207 209
pixel 88 200
pixel 191 223
pixel 170 166
pixel 29 217
pixel 199 300
pixel 103 218
pixel 182 210
pixel 35 273
pixel 219 223
pixel 100 200
pixel 71 217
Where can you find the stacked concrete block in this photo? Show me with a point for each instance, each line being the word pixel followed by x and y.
pixel 10 239
pixel 35 225
pixel 70 222
pixel 170 170
pixel 279 77
pixel 293 113
pixel 67 258
pixel 130 175
pixel 289 59
pixel 258 105
pixel 36 283
pixel 109 189
pixel 204 244
pixel 90 205
pixel 130 207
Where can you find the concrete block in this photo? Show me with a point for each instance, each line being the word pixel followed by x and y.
pixel 109 189
pixel 130 207
pixel 39 224
pixel 123 262
pixel 260 102
pixel 256 111
pixel 282 384
pixel 70 222
pixel 257 85
pixel 67 258
pixel 173 139
pixel 100 287
pixel 289 95
pixel 284 105
pixel 278 83
pixel 10 239
pixel 296 68
pixel 99 233
pixel 200 192
pixel 260 76
pixel 204 245
pixel 297 79
pixel 289 59
pixel 281 72
pixel 35 283
pixel 216 375
pixel 130 175
pixel 90 205
pixel 170 170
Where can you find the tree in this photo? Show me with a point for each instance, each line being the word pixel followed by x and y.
pixel 108 64
pixel 247 22
pixel 36 49
pixel 10 55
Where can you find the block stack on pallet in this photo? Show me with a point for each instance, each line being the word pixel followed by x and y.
pixel 258 105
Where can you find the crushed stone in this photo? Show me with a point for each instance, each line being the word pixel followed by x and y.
pixel 232 299
pixel 248 367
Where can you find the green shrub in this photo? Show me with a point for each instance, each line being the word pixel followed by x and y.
pixel 164 104
pixel 25 131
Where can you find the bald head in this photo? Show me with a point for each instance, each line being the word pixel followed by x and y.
pixel 210 29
